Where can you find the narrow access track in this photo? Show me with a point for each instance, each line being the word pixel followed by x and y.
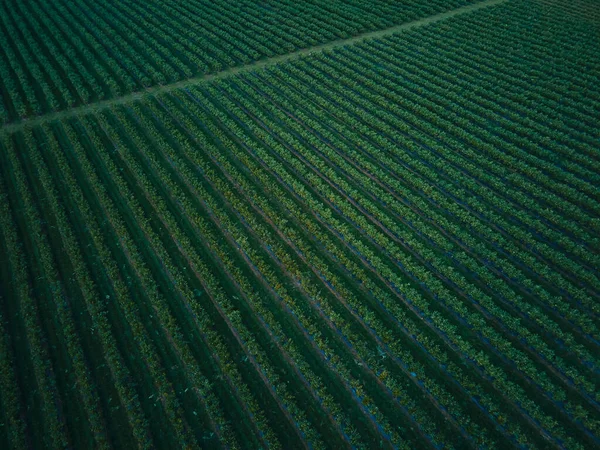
pixel 161 89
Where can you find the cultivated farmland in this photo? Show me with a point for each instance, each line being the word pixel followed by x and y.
pixel 300 224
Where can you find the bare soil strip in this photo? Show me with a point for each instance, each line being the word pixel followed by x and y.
pixel 161 89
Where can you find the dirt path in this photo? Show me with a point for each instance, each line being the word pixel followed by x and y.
pixel 161 89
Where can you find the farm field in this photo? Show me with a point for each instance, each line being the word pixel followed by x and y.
pixel 57 54
pixel 250 226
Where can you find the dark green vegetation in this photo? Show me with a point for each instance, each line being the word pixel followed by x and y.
pixel 393 244
pixel 57 54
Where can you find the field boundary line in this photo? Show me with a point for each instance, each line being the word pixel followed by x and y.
pixel 232 71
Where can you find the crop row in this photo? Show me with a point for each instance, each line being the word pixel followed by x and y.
pixel 313 181
pixel 59 54
pixel 432 175
pixel 376 246
pixel 414 219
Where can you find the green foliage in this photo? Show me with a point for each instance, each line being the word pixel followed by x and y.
pixel 391 244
